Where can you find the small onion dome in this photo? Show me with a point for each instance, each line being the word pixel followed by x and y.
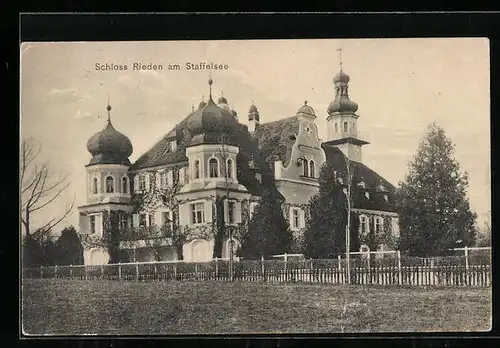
pixel 202 104
pixel 306 109
pixel 110 141
pixel 341 77
pixel 222 100
pixel 342 104
pixel 253 108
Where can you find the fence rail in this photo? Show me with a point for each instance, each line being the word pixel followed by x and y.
pixel 443 271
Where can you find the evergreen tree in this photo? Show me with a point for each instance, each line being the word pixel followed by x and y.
pixel 324 237
pixel 435 214
pixel 69 248
pixel 268 231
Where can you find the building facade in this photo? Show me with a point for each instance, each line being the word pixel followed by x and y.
pixel 212 167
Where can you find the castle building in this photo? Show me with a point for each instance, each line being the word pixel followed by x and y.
pixel 209 166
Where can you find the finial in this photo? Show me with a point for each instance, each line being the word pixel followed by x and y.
pixel 192 107
pixel 305 102
pixel 253 102
pixel 210 81
pixel 109 110
pixel 340 57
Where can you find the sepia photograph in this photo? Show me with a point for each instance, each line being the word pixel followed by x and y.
pixel 298 186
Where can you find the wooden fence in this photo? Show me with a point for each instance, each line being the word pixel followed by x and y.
pixel 444 271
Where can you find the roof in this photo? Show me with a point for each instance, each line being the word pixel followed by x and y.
pixel 275 139
pixel 372 179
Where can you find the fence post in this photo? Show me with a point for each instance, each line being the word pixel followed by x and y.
pixel 196 271
pixel 339 267
pixel 137 271
pixel 286 275
pixel 216 268
pixel 466 251
pixel 41 271
pixel 400 275
pixel 369 275
pixel 310 270
pixel 175 271
pixel 55 271
pixel 262 267
pixel 119 271
pixel 70 271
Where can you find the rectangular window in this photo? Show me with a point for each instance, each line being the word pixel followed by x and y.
pixel 378 225
pixel 175 179
pixel 173 145
pixel 166 218
pixel 395 227
pixel 92 224
pixel 142 182
pixel 186 175
pixel 253 207
pixel 142 220
pixel 122 223
pixel 196 213
pixel 295 218
pixel 230 212
pixel 163 179
pixel 151 219
pixel 364 224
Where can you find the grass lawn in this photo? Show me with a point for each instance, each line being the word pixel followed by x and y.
pixel 73 307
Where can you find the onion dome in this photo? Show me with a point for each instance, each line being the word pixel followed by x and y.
pixel 109 146
pixel 253 113
pixel 202 104
pixel 253 108
pixel 306 109
pixel 211 119
pixel 341 77
pixel 342 103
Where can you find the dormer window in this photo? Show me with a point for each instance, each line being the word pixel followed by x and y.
pixel 110 184
pixel 386 198
pixel 171 146
pixel 213 167
pixel 367 195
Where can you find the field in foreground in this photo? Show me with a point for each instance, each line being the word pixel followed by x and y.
pixel 73 307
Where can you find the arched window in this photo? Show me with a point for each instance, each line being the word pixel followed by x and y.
pixel 305 166
pixel 336 128
pixel 110 184
pixel 229 168
pixel 311 169
pixel 95 186
pixel 354 126
pixel 213 168
pixel 197 169
pixel 346 126
pixel 124 185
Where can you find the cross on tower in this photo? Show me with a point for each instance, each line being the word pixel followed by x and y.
pixel 340 57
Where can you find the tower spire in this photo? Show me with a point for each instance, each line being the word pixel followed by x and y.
pixel 109 110
pixel 340 57
pixel 210 81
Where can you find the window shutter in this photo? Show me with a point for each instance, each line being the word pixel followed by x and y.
pixel 147 182
pixel 237 212
pixel 208 211
pixel 170 178
pixel 136 183
pixel 135 220
pixel 290 216
pixel 226 211
pixel 368 224
pixel 158 179
pixel 98 224
pixel 181 175
pixel 302 218
pixel 183 217
pixel 84 223
pixel 158 218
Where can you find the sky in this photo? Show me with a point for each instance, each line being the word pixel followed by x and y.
pixel 400 85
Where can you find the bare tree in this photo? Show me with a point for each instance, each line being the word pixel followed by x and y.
pixel 39 187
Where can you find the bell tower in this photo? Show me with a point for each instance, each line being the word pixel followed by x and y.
pixel 342 129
